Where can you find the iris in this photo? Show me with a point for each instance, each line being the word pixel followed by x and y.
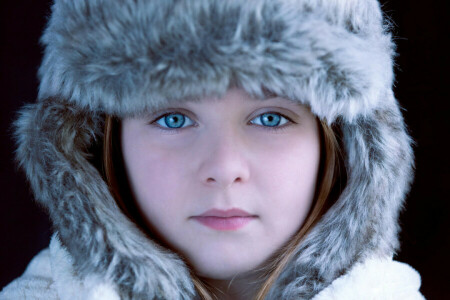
pixel 174 120
pixel 270 119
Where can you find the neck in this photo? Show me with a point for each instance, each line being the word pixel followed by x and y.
pixel 237 288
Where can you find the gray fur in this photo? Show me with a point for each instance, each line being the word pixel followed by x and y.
pixel 53 139
pixel 124 56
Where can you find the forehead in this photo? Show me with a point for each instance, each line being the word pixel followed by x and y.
pixel 234 99
pixel 240 98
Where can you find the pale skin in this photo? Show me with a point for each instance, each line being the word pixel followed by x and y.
pixel 224 156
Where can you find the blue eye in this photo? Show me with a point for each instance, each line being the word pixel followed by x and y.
pixel 269 120
pixel 174 121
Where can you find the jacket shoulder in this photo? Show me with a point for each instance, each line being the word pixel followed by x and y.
pixel 375 278
pixel 35 283
pixel 50 275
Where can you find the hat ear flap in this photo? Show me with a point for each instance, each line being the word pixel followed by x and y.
pixel 53 139
pixel 364 220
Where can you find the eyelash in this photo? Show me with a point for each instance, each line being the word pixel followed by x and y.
pixel 177 130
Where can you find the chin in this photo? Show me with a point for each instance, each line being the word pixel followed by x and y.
pixel 225 269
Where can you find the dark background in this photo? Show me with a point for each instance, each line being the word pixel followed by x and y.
pixel 421 88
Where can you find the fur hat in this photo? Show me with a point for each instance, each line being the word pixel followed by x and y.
pixel 121 57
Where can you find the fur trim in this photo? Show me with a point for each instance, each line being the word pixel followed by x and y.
pixel 375 279
pixel 50 276
pixel 121 57
pixel 53 142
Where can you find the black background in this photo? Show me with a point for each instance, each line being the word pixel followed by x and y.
pixel 421 34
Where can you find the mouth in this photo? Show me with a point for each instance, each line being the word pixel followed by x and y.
pixel 225 220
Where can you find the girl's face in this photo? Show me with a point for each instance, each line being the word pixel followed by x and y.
pixel 226 182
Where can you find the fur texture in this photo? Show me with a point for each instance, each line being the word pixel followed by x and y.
pixel 122 57
pixel 50 276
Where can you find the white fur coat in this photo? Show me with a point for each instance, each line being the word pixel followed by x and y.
pixel 50 275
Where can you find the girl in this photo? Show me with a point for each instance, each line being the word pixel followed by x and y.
pixel 217 149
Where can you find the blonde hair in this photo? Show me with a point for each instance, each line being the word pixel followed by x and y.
pixel 331 176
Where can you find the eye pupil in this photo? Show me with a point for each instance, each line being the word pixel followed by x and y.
pixel 270 119
pixel 174 120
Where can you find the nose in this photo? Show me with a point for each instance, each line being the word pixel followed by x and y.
pixel 224 161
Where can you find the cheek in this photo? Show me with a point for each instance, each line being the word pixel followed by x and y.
pixel 155 175
pixel 288 177
pixel 292 162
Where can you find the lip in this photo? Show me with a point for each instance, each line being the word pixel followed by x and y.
pixel 225 220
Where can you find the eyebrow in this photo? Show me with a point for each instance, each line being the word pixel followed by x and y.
pixel 283 100
pixel 272 99
pixel 269 94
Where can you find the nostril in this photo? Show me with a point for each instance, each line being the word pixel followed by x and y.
pixel 211 180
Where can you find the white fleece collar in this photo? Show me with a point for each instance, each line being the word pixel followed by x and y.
pixel 68 285
pixel 374 278
pixel 50 275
